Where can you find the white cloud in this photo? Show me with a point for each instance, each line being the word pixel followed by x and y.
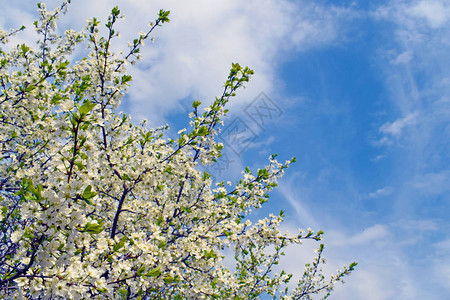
pixel 441 263
pixel 382 272
pixel 196 49
pixel 377 233
pixel 414 232
pixel 368 285
pixel 415 70
pixel 417 226
pixel 436 13
pixel 443 246
pixel 442 271
pixel 382 142
pixel 404 57
pixel 290 190
pixel 379 157
pixel 432 183
pixel 384 269
pixel 414 14
pixel 385 191
pixel 193 53
pixel 395 128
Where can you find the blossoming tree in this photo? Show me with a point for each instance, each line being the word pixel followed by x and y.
pixel 96 207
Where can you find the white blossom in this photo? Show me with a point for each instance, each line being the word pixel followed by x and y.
pixel 98 207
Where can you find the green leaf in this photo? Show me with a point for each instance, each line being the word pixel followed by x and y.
pixel 263 173
pixel 155 272
pixel 115 11
pixel 214 283
pixel 196 104
pixel 163 16
pixel 35 192
pixel 181 141
pixel 209 254
pixel 86 107
pixel 93 228
pixel 123 292
pixel 28 234
pixel 202 131
pixel 140 271
pixel 206 175
pixel 61 247
pixel 186 209
pixel 88 194
pixel 126 78
pixel 30 88
pixel 168 170
pixel 227 233
pixel 79 164
pixel 120 244
pixel 168 279
pixel 160 220
pixel 24 48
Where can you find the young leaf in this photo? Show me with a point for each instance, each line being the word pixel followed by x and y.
pixel 86 107
pixel 88 194
pixel 155 272
pixel 93 228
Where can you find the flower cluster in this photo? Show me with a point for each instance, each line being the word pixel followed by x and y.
pixel 96 207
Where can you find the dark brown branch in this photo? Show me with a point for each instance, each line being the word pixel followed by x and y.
pixel 119 210
pixel 27 267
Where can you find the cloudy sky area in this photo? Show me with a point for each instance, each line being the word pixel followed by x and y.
pixel 360 94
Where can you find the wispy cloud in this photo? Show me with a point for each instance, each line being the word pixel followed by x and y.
pixel 435 13
pixel 414 61
pixel 296 198
pixel 432 183
pixel 395 128
pixel 385 191
pixel 370 235
pixel 414 14
pixel 385 270
pixel 402 58
pixel 441 263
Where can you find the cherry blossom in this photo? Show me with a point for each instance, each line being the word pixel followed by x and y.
pixel 94 206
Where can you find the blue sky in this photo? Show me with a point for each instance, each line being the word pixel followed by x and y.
pixel 362 91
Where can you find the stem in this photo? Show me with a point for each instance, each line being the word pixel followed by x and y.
pixel 75 150
pixel 119 210
pixel 27 267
